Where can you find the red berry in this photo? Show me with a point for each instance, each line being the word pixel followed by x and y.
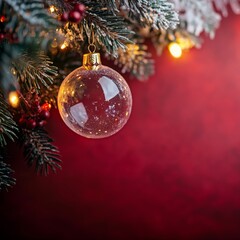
pixel 22 121
pixel 31 123
pixel 75 16
pixel 44 114
pixel 80 8
pixel 2 18
pixel 42 123
pixel 64 17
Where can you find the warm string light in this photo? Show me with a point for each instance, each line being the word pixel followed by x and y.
pixel 175 49
pixel 52 9
pixel 13 99
pixel 64 45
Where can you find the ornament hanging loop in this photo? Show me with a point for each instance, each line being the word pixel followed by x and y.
pixel 91 41
pixel 92 48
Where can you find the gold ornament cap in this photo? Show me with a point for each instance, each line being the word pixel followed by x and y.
pixel 91 61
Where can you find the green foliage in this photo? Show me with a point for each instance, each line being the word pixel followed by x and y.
pixel 28 26
pixel 157 14
pixel 136 60
pixel 32 12
pixel 110 30
pixel 38 149
pixel 7 80
pixel 6 180
pixel 8 127
pixel 35 72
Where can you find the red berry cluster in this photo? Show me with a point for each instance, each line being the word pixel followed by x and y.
pixel 36 116
pixel 75 15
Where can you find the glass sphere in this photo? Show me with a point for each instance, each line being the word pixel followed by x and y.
pixel 95 103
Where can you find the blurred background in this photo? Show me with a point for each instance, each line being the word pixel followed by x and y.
pixel 173 172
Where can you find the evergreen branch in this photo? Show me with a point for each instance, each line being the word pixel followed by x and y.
pixel 5 175
pixel 222 5
pixel 136 60
pixel 111 31
pixel 35 72
pixel 33 12
pixel 111 5
pixel 157 14
pixel 164 14
pixel 198 16
pixel 38 149
pixel 8 127
pixel 7 80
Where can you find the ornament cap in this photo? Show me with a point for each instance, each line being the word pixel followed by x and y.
pixel 91 61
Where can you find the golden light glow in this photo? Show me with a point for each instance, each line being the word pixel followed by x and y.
pixel 54 43
pixel 132 48
pixel 185 43
pixel 52 9
pixel 64 45
pixel 175 49
pixel 13 99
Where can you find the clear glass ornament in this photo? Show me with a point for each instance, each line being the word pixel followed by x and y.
pixel 94 100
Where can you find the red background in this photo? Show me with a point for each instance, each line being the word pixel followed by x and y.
pixel 173 172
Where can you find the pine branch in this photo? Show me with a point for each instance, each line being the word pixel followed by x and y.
pixel 198 16
pixel 33 12
pixel 111 5
pixel 5 174
pixel 222 5
pixel 164 14
pixel 111 31
pixel 136 60
pixel 8 127
pixel 7 80
pixel 157 14
pixel 35 71
pixel 38 149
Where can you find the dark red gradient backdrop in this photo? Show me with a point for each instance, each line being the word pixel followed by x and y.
pixel 172 173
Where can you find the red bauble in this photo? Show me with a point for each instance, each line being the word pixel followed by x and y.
pixel 64 17
pixel 44 114
pixel 80 8
pixel 31 123
pixel 75 16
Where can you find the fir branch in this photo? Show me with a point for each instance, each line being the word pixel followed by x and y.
pixel 35 72
pixel 111 5
pixel 111 31
pixel 198 16
pixel 38 149
pixel 222 5
pixel 7 53
pixel 157 14
pixel 33 12
pixel 136 60
pixel 8 127
pixel 164 14
pixel 6 180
